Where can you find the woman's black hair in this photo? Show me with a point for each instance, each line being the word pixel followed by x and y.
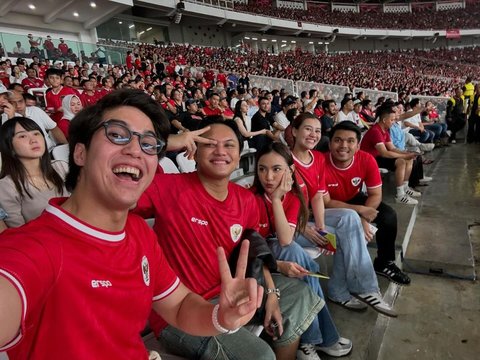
pixel 87 121
pixel 238 112
pixel 284 152
pixel 13 167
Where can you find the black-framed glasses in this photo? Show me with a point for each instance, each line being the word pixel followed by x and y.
pixel 120 134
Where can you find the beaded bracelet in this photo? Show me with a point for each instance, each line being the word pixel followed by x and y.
pixel 217 325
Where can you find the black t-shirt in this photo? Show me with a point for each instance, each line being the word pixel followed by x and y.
pixel 191 121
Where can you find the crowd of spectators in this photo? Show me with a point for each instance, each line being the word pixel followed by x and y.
pixel 435 72
pixel 419 19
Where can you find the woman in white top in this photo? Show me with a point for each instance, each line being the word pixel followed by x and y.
pixel 28 179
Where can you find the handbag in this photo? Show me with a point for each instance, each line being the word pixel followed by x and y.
pixel 259 254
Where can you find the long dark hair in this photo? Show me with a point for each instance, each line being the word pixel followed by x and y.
pixel 238 112
pixel 13 167
pixel 284 152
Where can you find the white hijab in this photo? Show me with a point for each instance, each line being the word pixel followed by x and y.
pixel 67 113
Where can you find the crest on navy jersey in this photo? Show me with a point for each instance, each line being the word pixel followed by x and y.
pixel 145 271
pixel 236 232
pixel 356 181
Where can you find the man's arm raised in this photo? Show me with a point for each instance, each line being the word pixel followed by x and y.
pixel 187 140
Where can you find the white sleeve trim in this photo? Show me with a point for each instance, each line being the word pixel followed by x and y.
pixel 374 187
pixel 168 291
pixel 23 296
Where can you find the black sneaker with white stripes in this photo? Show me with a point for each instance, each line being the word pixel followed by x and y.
pixel 391 271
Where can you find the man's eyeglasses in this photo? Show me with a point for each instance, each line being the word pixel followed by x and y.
pixel 119 134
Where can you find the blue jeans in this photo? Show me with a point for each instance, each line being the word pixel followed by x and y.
pixel 322 330
pixel 424 137
pixel 439 129
pixel 352 271
pixel 299 306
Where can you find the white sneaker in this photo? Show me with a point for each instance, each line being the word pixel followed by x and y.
pixel 454 141
pixel 341 348
pixel 410 192
pixel 307 352
pixel 425 179
pixel 351 304
pixel 426 147
pixel 375 300
pixel 405 199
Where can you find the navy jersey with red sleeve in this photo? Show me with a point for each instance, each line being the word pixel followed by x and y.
pixel 312 174
pixel 345 184
pixel 86 293
pixel 375 135
pixel 291 207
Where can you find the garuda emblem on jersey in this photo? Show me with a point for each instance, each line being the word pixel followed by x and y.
pixel 356 181
pixel 236 232
pixel 145 271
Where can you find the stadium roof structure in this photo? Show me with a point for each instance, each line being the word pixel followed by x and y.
pixel 89 13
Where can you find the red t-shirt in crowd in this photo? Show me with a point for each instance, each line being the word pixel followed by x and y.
pixel 86 293
pixel 375 135
pixel 89 99
pixel 209 111
pixel 191 225
pixel 312 174
pixel 54 100
pixel 290 204
pixel 63 48
pixel 345 184
pixel 29 83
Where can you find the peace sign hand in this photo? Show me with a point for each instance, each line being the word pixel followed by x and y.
pixel 239 297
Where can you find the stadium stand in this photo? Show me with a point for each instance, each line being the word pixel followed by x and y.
pixel 196 71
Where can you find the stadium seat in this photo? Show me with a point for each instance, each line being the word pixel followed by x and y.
pixel 168 166
pixel 184 164
pixel 60 152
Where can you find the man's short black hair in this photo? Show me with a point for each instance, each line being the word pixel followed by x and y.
pixel 86 122
pixel 218 119
pixel 346 125
pixel 53 71
pixel 414 102
pixel 326 104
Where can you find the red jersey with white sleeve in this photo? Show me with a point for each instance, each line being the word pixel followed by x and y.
pixel 86 293
pixel 345 184
pixel 291 207
pixel 32 83
pixel 375 135
pixel 191 225
pixel 54 100
pixel 312 174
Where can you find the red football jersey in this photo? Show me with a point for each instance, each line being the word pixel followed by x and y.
pixel 191 225
pixel 54 100
pixel 345 184
pixel 89 99
pixel 290 204
pixel 86 292
pixel 312 174
pixel 29 83
pixel 375 135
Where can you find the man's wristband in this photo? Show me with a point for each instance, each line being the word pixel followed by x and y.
pixel 217 325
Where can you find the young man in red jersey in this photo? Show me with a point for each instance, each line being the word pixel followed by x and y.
pixel 206 210
pixel 89 95
pixel 31 81
pixel 56 93
pixel 347 168
pixel 79 281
